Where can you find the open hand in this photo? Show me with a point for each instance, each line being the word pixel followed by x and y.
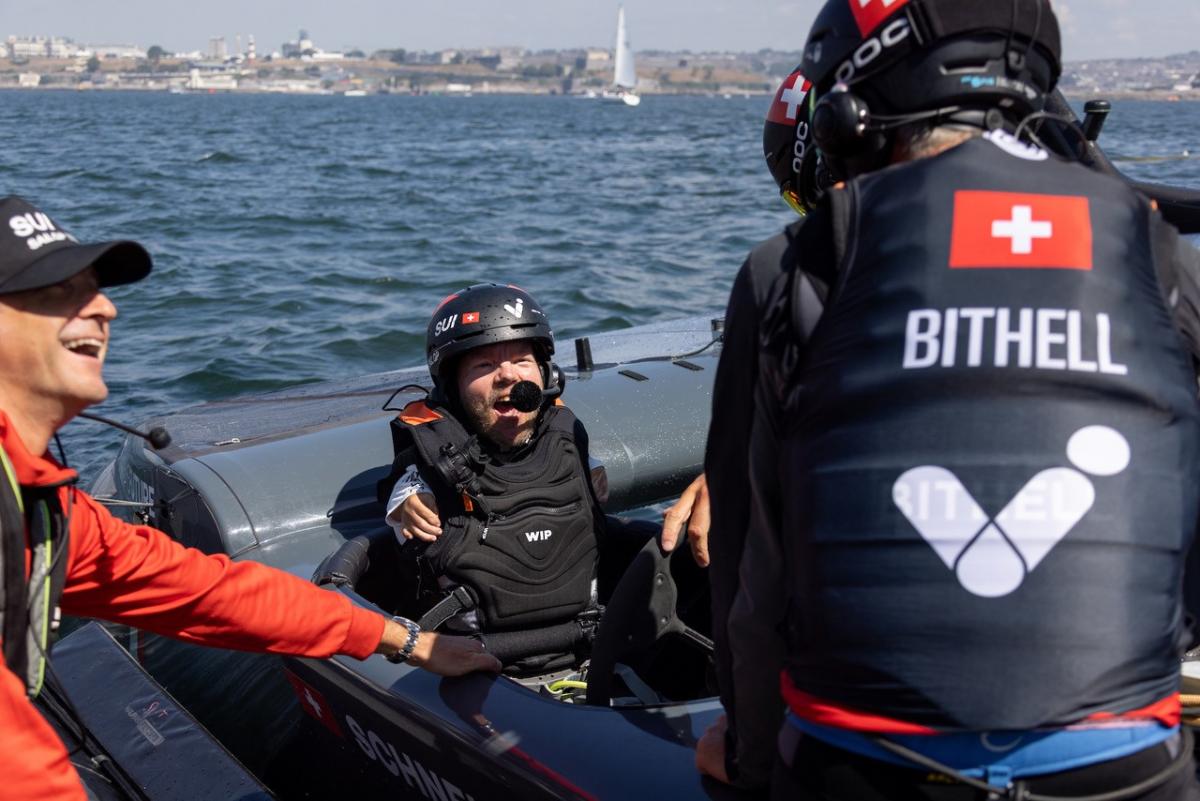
pixel 448 655
pixel 692 508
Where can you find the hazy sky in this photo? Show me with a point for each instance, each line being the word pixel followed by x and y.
pixel 1092 28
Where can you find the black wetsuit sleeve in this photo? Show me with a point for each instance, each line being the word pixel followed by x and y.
pixel 757 616
pixel 1182 286
pixel 726 457
pixel 735 431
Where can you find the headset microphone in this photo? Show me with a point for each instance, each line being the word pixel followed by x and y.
pixel 526 396
pixel 158 437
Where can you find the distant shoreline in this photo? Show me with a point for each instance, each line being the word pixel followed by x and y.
pixel 1160 95
pixel 1153 95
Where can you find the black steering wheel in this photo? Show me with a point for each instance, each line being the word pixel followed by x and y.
pixel 642 611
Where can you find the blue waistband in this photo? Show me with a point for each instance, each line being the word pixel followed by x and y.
pixel 997 757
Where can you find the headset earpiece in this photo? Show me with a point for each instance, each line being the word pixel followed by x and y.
pixel 841 125
pixel 555 380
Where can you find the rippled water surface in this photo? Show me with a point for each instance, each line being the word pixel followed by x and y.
pixel 298 239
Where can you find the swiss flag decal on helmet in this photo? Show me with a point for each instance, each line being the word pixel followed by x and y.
pixel 1010 229
pixel 870 14
pixel 789 100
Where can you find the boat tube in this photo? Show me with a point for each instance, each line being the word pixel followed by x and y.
pixel 128 738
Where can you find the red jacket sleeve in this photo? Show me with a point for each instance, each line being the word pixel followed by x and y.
pixel 139 576
pixel 33 762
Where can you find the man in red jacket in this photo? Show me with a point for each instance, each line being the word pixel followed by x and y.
pixel 60 548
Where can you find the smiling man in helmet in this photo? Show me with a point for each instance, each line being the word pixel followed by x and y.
pixel 974 405
pixel 496 493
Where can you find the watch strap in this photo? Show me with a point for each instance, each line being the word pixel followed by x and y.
pixel 414 631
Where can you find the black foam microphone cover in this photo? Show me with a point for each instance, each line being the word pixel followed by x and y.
pixel 158 437
pixel 526 396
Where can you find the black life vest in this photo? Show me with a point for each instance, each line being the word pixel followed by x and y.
pixel 30 519
pixel 991 451
pixel 519 529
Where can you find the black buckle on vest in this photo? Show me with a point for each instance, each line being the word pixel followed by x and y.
pixel 458 469
pixel 589 621
pixel 460 600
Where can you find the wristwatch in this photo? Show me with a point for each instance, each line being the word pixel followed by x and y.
pixel 406 650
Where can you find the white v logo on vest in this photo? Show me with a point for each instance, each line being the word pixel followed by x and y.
pixel 992 557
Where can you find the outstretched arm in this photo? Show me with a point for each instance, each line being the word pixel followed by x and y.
pixel 141 577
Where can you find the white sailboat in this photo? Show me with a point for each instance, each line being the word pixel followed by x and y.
pixel 624 71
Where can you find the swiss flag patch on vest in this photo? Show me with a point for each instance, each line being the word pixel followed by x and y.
pixel 870 13
pixel 1011 229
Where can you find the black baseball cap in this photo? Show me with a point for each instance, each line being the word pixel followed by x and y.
pixel 36 252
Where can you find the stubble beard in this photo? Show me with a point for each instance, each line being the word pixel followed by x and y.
pixel 499 434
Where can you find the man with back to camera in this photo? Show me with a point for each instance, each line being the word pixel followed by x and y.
pixel 54 335
pixel 975 418
pixel 513 515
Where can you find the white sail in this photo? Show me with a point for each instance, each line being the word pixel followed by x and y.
pixel 624 73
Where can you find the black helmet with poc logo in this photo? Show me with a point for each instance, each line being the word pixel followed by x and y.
pixel 788 146
pixel 479 315
pixel 946 58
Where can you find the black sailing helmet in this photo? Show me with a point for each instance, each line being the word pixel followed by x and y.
pixel 788 145
pixel 948 60
pixel 484 314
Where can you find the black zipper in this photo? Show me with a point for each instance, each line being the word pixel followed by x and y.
pixel 544 510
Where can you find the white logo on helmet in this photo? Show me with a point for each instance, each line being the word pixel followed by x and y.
pixel 801 147
pixel 517 308
pixel 866 54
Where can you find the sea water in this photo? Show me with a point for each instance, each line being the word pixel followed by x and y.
pixel 298 239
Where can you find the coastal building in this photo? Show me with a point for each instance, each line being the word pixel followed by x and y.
pixel 60 47
pixel 117 51
pixel 302 46
pixel 597 60
pixel 503 59
pixel 24 47
pixel 212 81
